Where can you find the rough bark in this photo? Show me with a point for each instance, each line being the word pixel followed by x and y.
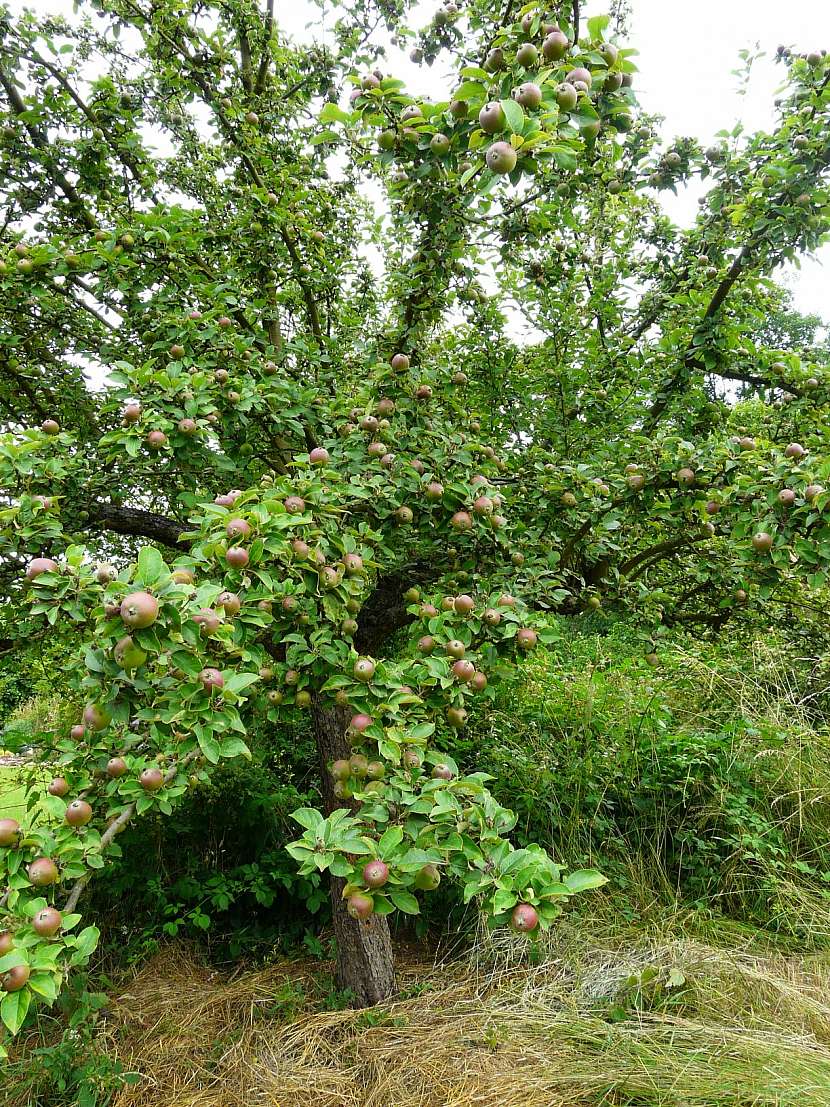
pixel 365 964
pixel 138 523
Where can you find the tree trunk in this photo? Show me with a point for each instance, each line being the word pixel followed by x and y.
pixel 365 964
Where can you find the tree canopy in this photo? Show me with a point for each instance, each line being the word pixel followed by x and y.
pixel 247 472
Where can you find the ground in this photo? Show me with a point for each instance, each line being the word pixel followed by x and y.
pixel 635 1016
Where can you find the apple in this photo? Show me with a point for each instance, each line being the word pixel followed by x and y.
pixel 360 907
pixel 529 95
pixel 47 922
pixel 399 362
pixel 491 118
pixel 58 787
pixel 40 565
pixel 9 831
pixel 526 637
pixel 211 680
pixel 461 521
pixel 524 918
pixel 762 541
pixel 364 669
pixel 12 980
pixel 97 716
pixel 156 440
pixel 566 96
pixel 375 874
pixel 50 427
pixel 116 768
pixel 78 813
pixel 151 779
pixel 555 46
pixel 237 557
pixel 501 158
pixel 139 610
pixel 42 872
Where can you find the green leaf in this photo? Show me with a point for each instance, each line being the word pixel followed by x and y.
pixel 582 880
pixel 404 901
pixel 514 115
pixel 13 1009
pixel 324 136
pixel 331 113
pixel 150 566
pixel 85 944
pixel 308 817
pixel 390 840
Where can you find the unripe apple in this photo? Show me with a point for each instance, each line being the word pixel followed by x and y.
pixel 459 109
pixel 529 95
pixel 364 669
pixel 97 716
pixel 78 813
pixel 786 497
pixel 491 118
pixel 492 617
pixel 6 942
pixel 40 565
pixel 50 426
pixel 151 779
pixel 811 491
pixel 686 476
pixel 156 439
pixel 294 505
pixel 526 638
pixel 58 787
pixel 566 96
pixel 527 55
pixel 479 682
pixel 461 521
pixel 359 906
pixel 42 872
pixel 555 46
pixel 139 610
pixel 211 680
pixel 426 644
pixel 12 980
pixel 762 541
pixel 375 874
pixel 456 717
pixel 399 362
pixel 501 158
pixel 524 918
pixel 439 144
pixel 47 922
pixel 427 878
pixel 795 451
pixel 404 515
pixel 494 61
pixel 442 772
pixel 116 768
pixel 609 53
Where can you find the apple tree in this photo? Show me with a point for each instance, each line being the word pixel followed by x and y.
pixel 247 477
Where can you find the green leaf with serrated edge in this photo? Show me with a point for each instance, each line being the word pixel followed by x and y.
pixel 582 880
pixel 514 115
pixel 404 901
pixel 14 1008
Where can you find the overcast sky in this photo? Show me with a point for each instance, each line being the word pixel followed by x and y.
pixel 687 54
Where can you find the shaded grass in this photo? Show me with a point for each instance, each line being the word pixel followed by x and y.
pixel 651 1016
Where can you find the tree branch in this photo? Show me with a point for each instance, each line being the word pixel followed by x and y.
pixel 138 523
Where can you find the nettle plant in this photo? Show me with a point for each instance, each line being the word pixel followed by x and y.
pixel 361 498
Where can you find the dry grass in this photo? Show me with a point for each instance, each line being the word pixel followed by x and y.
pixel 746 1028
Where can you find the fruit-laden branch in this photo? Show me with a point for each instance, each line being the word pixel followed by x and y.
pixel 117 825
pixel 653 554
pixel 42 143
pixel 383 613
pixel 138 523
pixel 690 359
pixel 265 56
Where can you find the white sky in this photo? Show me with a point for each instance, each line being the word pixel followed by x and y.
pixel 687 54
